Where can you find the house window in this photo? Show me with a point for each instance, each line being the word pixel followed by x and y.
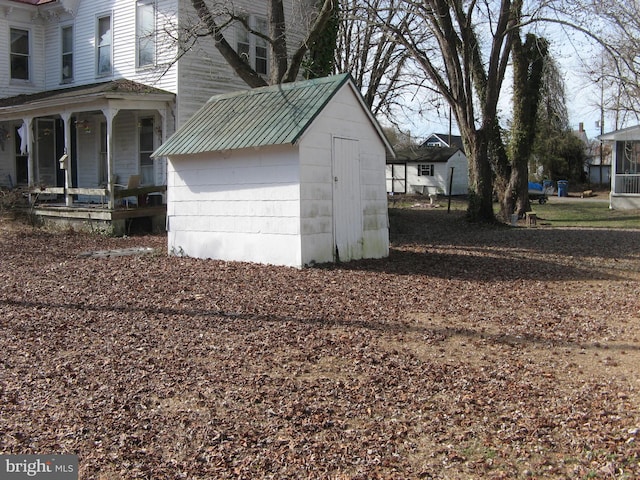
pixel 145 138
pixel 145 33
pixel 103 45
pixel 425 170
pixel 251 47
pixel 67 54
pixel 261 47
pixel 19 54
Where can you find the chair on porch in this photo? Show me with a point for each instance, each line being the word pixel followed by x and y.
pixel 134 182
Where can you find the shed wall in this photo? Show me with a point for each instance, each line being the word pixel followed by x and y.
pixel 343 117
pixel 241 205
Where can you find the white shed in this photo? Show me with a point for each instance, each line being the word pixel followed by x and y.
pixel 292 174
pixel 428 170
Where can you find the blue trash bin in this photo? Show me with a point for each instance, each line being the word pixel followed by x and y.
pixel 546 184
pixel 563 188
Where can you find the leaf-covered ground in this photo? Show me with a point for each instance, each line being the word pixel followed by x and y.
pixel 471 352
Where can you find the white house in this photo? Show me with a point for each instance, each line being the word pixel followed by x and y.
pixel 428 170
pixel 625 163
pixel 101 84
pixel 289 175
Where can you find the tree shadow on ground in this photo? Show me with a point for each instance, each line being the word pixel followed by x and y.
pixel 196 318
pixel 444 245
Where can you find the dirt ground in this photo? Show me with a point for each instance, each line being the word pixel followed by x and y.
pixel 471 352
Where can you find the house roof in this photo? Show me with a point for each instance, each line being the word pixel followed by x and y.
pixel 445 138
pixel 424 154
pixel 104 88
pixel 273 115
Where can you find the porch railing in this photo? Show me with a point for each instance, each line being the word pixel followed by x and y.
pixel 102 193
pixel 627 183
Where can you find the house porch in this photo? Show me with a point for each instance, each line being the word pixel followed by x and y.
pixel 75 152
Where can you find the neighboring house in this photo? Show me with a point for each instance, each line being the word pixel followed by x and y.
pixel 429 171
pixel 443 140
pixel 290 175
pixel 625 163
pixel 98 84
pixel 597 165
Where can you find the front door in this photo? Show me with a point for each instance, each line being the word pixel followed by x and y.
pixel 347 204
pixel 49 149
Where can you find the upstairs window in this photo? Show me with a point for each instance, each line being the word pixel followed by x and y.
pixel 103 45
pixel 19 54
pixel 425 170
pixel 67 54
pixel 251 47
pixel 145 33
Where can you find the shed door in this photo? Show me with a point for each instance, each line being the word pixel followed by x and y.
pixel 347 208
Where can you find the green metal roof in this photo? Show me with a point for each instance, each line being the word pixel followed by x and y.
pixel 273 115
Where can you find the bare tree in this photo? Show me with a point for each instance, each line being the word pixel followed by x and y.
pixel 285 66
pixel 443 37
pixel 376 61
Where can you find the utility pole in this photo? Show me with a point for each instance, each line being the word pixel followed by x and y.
pixel 601 126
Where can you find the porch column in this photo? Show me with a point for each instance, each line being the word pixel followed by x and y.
pixel 163 137
pixel 27 141
pixel 68 179
pixel 110 114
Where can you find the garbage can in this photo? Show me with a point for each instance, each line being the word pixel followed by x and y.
pixel 563 188
pixel 546 184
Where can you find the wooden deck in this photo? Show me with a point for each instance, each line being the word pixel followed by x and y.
pixel 112 215
pixel 100 218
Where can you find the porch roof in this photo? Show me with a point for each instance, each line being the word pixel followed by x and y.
pixel 125 89
pixel 629 133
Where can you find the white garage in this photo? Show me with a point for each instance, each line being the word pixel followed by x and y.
pixel 291 174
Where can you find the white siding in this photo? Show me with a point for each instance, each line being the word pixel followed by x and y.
pixel 204 72
pixel 343 117
pixel 19 18
pixel 439 182
pixel 242 205
pixel 460 165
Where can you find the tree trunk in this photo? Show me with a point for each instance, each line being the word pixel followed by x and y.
pixel 244 71
pixel 480 207
pixel 278 44
pixel 528 62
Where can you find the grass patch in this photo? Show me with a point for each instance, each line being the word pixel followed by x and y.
pixel 580 213
pixel 566 212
